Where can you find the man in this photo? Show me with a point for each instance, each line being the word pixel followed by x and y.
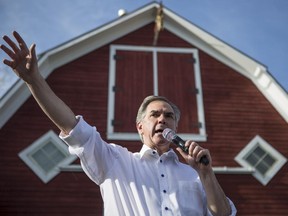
pixel 149 182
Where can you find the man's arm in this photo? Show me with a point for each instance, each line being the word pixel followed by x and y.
pixel 217 201
pixel 24 64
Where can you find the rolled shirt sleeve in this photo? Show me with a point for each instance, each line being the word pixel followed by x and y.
pixel 96 156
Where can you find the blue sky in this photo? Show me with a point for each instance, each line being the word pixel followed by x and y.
pixel 257 28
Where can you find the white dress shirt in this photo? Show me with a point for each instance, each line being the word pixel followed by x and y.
pixel 141 183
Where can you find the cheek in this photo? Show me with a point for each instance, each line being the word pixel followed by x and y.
pixel 173 125
pixel 145 126
pixel 149 126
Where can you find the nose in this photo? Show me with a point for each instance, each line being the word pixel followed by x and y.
pixel 161 119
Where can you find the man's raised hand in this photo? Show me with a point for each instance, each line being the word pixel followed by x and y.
pixel 23 60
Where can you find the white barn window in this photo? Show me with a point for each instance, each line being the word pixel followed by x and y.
pixel 261 156
pixel 46 155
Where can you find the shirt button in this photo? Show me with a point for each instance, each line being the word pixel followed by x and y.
pixel 166 208
pixel 154 152
pixel 161 161
pixel 164 191
pixel 162 175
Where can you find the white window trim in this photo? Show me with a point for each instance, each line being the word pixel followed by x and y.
pixel 202 136
pixel 280 159
pixel 48 137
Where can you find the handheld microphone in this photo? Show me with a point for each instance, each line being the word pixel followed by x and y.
pixel 171 136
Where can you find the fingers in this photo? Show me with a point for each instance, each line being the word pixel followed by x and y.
pixel 196 151
pixel 23 49
pixel 20 41
pixel 8 51
pixel 11 55
pixel 17 54
pixel 9 63
pixel 11 44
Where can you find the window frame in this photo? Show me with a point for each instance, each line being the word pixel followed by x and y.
pixel 47 138
pixel 247 151
pixel 201 136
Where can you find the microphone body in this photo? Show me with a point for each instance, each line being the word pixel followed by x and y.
pixel 171 136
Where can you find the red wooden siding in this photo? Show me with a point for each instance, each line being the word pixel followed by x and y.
pixel 235 111
pixel 22 192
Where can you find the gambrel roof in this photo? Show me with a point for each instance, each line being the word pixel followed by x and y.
pixel 176 24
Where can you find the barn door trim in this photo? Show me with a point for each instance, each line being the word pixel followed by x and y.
pixel 111 134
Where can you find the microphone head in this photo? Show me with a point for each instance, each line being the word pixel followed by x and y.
pixel 168 134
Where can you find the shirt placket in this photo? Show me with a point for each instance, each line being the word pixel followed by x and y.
pixel 163 187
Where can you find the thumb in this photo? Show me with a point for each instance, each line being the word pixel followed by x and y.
pixel 32 58
pixel 32 51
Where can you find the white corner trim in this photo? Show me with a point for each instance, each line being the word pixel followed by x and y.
pixel 271 90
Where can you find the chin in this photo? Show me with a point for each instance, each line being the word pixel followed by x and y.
pixel 163 143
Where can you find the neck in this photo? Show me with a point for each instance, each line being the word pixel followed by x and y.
pixel 160 149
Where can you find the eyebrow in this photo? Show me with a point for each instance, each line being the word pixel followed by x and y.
pixel 157 111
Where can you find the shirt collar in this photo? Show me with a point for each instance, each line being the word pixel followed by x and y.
pixel 147 151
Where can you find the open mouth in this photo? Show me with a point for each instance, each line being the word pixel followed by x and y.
pixel 159 131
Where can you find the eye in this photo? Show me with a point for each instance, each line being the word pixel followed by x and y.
pixel 154 114
pixel 169 115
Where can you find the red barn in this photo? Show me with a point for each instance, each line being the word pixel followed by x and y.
pixel 230 104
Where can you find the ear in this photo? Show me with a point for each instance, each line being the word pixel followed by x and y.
pixel 176 127
pixel 139 127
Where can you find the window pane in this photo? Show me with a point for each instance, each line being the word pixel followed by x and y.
pixel 252 159
pixel 259 151
pixel 262 168
pixel 42 160
pixel 53 153
pixel 269 160
pixel 49 148
pixel 48 157
pixel 58 156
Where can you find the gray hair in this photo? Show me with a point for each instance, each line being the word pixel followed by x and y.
pixel 143 107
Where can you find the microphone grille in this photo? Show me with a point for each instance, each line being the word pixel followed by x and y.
pixel 168 134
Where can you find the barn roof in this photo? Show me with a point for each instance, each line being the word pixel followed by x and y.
pixel 77 47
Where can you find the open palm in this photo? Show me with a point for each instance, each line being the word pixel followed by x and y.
pixel 23 60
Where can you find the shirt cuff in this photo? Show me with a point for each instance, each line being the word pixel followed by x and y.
pixel 233 208
pixel 79 135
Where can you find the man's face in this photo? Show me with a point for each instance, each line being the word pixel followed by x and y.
pixel 159 115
